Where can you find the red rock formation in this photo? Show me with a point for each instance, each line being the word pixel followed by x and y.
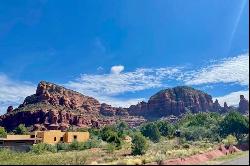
pixel 9 109
pixel 55 107
pixel 243 105
pixel 174 101
pixel 108 110
pixel 57 95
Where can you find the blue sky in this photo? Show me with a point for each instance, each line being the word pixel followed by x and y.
pixel 121 51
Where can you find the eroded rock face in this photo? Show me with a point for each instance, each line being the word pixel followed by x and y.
pixel 57 95
pixel 108 110
pixel 9 109
pixel 174 101
pixel 54 107
pixel 243 105
pixel 216 106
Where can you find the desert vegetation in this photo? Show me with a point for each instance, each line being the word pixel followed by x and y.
pixel 151 142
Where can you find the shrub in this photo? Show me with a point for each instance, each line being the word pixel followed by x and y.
pixel 94 133
pixel 230 140
pixel 92 143
pixel 21 129
pixel 75 145
pixel 62 146
pixel 186 146
pixel 3 133
pixel 139 144
pixel 110 148
pixel 43 147
pixel 151 131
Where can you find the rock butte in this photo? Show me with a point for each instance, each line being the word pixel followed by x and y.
pixel 55 107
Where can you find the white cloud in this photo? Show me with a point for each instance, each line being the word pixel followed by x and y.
pixel 230 70
pixel 232 98
pixel 113 84
pixel 117 69
pixel 104 87
pixel 13 92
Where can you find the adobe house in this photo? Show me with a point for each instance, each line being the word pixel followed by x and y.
pixel 56 136
pixel 18 142
pixel 24 142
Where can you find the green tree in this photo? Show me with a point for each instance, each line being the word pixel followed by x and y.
pixel 165 128
pixel 234 123
pixel 3 133
pixel 151 131
pixel 122 128
pixel 21 129
pixel 139 144
pixel 109 134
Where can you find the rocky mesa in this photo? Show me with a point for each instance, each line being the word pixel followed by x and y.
pixel 55 107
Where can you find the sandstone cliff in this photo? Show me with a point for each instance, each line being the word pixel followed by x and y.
pixel 176 101
pixel 55 107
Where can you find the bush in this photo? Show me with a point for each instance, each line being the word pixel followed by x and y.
pixel 21 129
pixel 151 131
pixel 110 148
pixel 43 147
pixel 3 133
pixel 94 133
pixel 62 146
pixel 230 140
pixel 75 145
pixel 186 146
pixel 92 143
pixel 139 144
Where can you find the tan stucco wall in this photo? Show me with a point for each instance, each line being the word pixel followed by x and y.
pixel 15 137
pixel 81 136
pixel 49 136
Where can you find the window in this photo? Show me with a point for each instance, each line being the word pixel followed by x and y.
pixel 32 136
pixel 1 142
pixel 54 138
pixel 61 139
pixel 75 137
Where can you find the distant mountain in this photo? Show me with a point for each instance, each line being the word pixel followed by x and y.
pixel 176 101
pixel 55 107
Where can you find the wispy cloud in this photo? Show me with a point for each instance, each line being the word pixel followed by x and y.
pixel 13 92
pixel 230 70
pixel 117 83
pixel 232 98
pixel 104 87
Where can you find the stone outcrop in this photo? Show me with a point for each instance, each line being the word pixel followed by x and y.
pixel 174 101
pixel 57 95
pixel 108 110
pixel 243 105
pixel 9 109
pixel 55 107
